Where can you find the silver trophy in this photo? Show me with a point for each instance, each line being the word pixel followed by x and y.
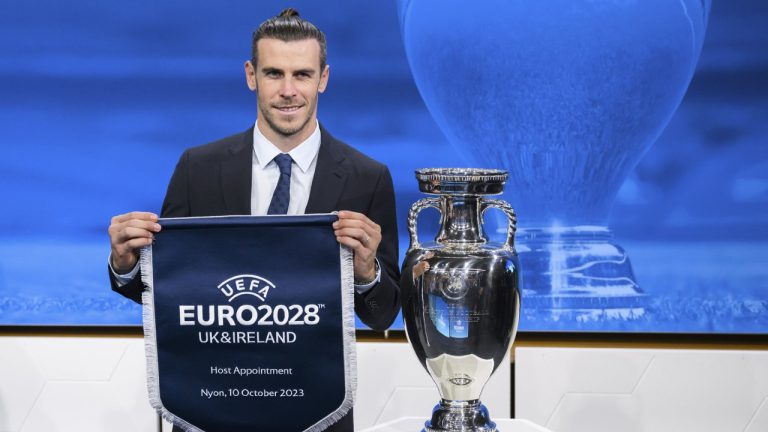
pixel 461 295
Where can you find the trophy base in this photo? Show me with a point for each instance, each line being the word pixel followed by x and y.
pixel 464 416
pixel 578 272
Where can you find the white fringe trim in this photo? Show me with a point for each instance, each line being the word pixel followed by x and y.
pixel 350 346
pixel 150 347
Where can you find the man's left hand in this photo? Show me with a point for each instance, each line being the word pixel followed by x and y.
pixel 363 236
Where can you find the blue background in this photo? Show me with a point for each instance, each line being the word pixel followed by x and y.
pixel 99 99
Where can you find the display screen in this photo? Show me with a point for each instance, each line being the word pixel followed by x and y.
pixel 100 99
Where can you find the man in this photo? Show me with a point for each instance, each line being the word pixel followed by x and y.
pixel 287 151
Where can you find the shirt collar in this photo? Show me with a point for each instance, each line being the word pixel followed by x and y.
pixel 303 154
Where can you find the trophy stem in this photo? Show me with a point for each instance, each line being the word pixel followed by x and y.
pixel 463 225
pixel 465 416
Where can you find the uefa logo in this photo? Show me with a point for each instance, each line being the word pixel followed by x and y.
pixel 246 285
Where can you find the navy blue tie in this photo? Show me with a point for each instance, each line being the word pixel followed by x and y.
pixel 282 195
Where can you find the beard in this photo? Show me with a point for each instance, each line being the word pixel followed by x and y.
pixel 285 130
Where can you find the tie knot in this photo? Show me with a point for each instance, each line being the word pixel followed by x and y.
pixel 283 161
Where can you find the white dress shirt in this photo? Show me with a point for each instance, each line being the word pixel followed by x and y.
pixel 265 172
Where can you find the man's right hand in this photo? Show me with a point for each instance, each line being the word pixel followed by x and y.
pixel 128 233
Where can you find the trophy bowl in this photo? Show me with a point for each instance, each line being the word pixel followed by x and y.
pixel 460 293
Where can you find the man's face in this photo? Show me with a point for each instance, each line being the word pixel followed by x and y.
pixel 287 80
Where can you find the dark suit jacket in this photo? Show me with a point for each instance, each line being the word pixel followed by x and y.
pixel 215 179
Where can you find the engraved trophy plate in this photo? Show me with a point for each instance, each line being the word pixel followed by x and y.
pixel 461 293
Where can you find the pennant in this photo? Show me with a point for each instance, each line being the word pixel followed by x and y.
pixel 249 323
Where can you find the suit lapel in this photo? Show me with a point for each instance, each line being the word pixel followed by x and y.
pixel 236 174
pixel 329 177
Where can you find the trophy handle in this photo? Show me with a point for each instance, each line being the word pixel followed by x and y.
pixel 416 208
pixel 511 216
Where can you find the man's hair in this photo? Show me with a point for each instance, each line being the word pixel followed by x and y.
pixel 288 27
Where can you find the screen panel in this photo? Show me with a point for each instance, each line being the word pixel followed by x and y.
pixel 99 100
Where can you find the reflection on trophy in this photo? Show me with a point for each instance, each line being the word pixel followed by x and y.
pixel 567 95
pixel 461 295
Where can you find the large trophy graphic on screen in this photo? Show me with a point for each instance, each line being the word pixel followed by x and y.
pixel 567 95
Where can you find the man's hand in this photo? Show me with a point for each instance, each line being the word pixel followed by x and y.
pixel 363 236
pixel 128 233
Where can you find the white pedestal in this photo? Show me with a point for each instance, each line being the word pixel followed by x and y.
pixel 415 424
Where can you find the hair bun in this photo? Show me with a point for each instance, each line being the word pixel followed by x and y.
pixel 289 12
